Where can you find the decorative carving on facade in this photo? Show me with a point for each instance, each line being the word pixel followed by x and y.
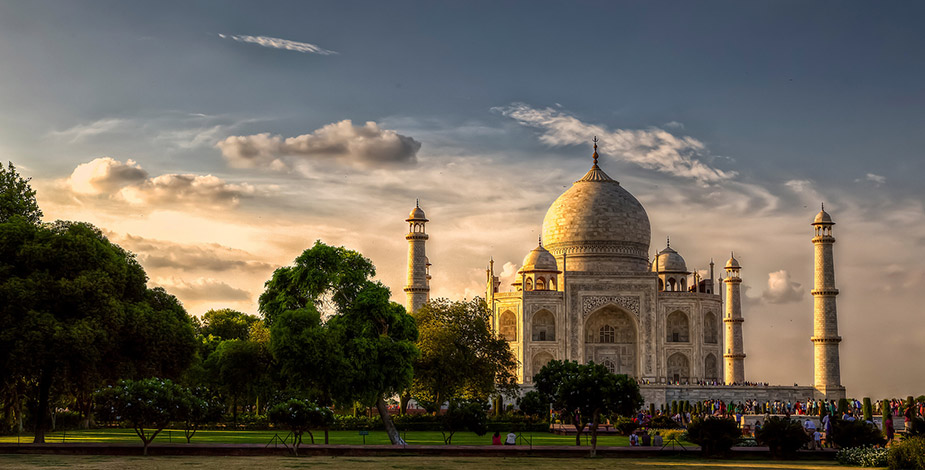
pixel 592 302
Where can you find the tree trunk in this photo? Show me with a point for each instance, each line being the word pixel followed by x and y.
pixel 579 426
pixel 390 429
pixel 403 401
pixel 325 435
pixel 42 411
pixel 234 411
pixel 594 423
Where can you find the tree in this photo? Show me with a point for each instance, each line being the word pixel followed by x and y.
pixel 148 404
pixel 532 404
pixel 76 312
pixel 236 367
pixel 713 434
pixel 855 433
pixel 587 391
pixel 461 358
pixel 227 324
pixel 464 414
pixel 782 436
pixel 17 198
pixel 301 416
pixel 337 333
pixel 199 406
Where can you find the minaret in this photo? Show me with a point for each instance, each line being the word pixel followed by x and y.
pixel 735 351
pixel 827 374
pixel 417 288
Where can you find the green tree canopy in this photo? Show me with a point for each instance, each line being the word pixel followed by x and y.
pixel 301 416
pixel 587 391
pixel 148 404
pixel 76 311
pixel 226 324
pixel 17 198
pixel 336 333
pixel 461 358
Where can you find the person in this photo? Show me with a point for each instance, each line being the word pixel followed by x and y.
pixel 817 440
pixel 496 439
pixel 634 439
pixel 511 439
pixel 646 438
pixel 888 428
pixel 657 440
pixel 757 426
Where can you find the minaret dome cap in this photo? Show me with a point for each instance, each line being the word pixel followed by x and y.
pixel 823 218
pixel 417 214
pixel 733 263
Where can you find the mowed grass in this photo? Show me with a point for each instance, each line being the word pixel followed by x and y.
pixel 81 462
pixel 335 437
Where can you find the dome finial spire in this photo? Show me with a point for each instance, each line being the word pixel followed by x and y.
pixel 540 239
pixel 823 206
pixel 417 202
pixel 594 155
pixel 669 241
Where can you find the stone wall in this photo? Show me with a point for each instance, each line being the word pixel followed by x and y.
pixel 660 394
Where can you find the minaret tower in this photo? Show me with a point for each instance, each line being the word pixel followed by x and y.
pixel 735 351
pixel 417 288
pixel 827 371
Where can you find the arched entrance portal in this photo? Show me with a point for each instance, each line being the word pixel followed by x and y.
pixel 610 338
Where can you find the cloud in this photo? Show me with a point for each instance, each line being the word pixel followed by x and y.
pixel 781 289
pixel 82 131
pixel 872 178
pixel 360 146
pixel 128 182
pixel 277 43
pixel 157 254
pixel 652 148
pixel 203 289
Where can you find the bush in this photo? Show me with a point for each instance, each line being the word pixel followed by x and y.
pixel 847 434
pixel 532 404
pixel 916 427
pixel 908 454
pixel 624 426
pixel 782 436
pixel 864 456
pixel 664 422
pixel 669 434
pixel 867 409
pixel 714 435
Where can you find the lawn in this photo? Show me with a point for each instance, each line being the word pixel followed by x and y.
pixel 335 437
pixel 80 462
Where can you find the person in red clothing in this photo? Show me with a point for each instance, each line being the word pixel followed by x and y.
pixel 496 439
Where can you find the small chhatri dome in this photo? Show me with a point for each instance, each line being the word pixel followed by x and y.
pixel 733 263
pixel 540 260
pixel 670 261
pixel 417 213
pixel 823 218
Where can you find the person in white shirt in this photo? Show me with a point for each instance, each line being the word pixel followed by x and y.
pixel 511 439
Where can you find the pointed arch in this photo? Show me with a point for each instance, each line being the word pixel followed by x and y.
pixel 679 368
pixel 678 327
pixel 507 326
pixel 710 332
pixel 611 333
pixel 709 367
pixel 540 283
pixel 540 359
pixel 543 326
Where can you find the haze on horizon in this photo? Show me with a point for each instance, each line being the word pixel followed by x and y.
pixel 218 141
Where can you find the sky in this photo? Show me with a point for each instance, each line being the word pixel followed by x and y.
pixel 217 140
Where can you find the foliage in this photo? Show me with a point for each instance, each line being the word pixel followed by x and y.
pixel 17 198
pixel 301 416
pixel 236 368
pixel 842 406
pixel 664 422
pixel 587 391
pixel 782 436
pixel 867 409
pixel 149 405
pixel 464 414
pixel 362 349
pixel 532 404
pixel 669 434
pixel 908 454
pixel 863 456
pixel 227 324
pixel 916 427
pixel 461 358
pixel 624 426
pixel 855 433
pixel 76 312
pixel 714 435
pixel 199 406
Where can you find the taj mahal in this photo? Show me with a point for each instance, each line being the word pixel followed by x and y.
pixel 590 291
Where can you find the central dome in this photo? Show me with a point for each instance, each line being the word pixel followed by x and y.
pixel 599 226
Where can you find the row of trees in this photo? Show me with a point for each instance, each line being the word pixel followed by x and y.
pixel 78 316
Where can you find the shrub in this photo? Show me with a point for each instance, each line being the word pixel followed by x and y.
pixel 867 409
pixel 847 434
pixel 669 434
pixel 625 426
pixel 464 414
pixel 864 456
pixel 664 422
pixel 782 436
pixel 842 406
pixel 713 435
pixel 908 454
pixel 532 404
pixel 916 427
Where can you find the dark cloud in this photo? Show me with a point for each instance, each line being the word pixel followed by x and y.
pixel 204 289
pixel 157 254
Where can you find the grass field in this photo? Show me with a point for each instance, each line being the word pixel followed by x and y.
pixel 335 437
pixel 34 462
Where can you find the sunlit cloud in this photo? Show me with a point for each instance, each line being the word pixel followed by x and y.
pixel 277 43
pixel 360 146
pixel 202 289
pixel 652 148
pixel 781 289
pixel 82 131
